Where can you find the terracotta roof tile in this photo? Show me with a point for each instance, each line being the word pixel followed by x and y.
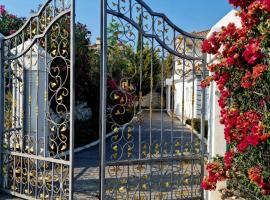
pixel 201 33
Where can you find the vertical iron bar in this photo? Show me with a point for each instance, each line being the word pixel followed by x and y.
pixel 37 108
pixel 54 8
pixel 183 109
pixel 2 99
pixel 130 9
pixel 9 104
pixel 140 96
pixel 192 116
pixel 14 112
pixel 151 101
pixel 29 104
pixel 103 92
pixel 162 114
pixel 203 120
pixel 46 131
pixel 23 160
pixel 72 97
pixel 173 114
pixel 141 76
pixel 61 185
pixel 52 188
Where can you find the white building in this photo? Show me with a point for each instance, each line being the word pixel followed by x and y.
pixel 216 142
pixel 183 98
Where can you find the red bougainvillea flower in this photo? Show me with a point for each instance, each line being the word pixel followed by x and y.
pixel 211 45
pixel 265 137
pixel 252 52
pixel 240 3
pixel 265 188
pixel 254 175
pixel 230 61
pixel 12 16
pixel 253 140
pixel 2 9
pixel 209 183
pixel 112 84
pixel 228 158
pixel 242 146
pixel 206 46
pixel 216 170
pixel 258 70
pixel 240 75
pixel 12 31
pixel 246 80
pixel 266 4
pixel 206 82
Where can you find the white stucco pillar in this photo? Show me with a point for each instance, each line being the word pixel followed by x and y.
pixel 29 94
pixel 216 141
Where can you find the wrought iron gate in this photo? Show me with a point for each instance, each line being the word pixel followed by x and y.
pixel 37 105
pixel 152 153
pixel 150 74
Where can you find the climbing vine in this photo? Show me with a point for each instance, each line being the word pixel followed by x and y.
pixel 242 75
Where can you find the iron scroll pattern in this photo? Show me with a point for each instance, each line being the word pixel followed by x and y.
pixel 146 159
pixel 36 137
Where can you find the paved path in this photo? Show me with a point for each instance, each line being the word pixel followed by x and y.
pixel 86 171
pixel 7 197
pixel 86 162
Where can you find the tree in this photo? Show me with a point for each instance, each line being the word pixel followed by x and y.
pixel 9 23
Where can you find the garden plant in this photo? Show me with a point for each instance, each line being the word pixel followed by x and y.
pixel 242 75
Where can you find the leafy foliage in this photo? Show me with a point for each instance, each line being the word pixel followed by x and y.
pixel 243 79
pixel 9 23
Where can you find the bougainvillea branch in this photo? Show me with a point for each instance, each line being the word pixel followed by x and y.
pixel 242 75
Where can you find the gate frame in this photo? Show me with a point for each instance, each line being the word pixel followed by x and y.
pixel 103 99
pixel 2 99
pixel 72 97
pixel 103 85
pixel 71 90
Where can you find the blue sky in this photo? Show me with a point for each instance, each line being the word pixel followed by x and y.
pixel 190 15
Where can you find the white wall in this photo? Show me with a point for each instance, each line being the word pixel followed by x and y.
pixel 216 141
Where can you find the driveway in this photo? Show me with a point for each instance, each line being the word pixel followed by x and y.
pixel 169 175
pixel 169 138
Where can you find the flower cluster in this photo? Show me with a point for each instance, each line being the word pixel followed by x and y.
pixel 252 52
pixel 216 173
pixel 242 75
pixel 9 23
pixel 255 176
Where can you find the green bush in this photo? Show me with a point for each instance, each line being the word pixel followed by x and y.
pixel 196 124
pixel 85 132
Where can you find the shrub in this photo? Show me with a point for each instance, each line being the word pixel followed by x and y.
pixel 242 75
pixel 196 124
pixel 9 23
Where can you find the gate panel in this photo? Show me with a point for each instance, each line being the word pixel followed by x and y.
pixel 37 76
pixel 152 70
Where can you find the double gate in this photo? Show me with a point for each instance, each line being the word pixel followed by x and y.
pixel 37 105
pixel 150 73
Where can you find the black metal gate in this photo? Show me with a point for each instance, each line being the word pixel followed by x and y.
pixel 150 75
pixel 152 153
pixel 36 115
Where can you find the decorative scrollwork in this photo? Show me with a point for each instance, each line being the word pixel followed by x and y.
pixel 36 139
pixel 149 154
